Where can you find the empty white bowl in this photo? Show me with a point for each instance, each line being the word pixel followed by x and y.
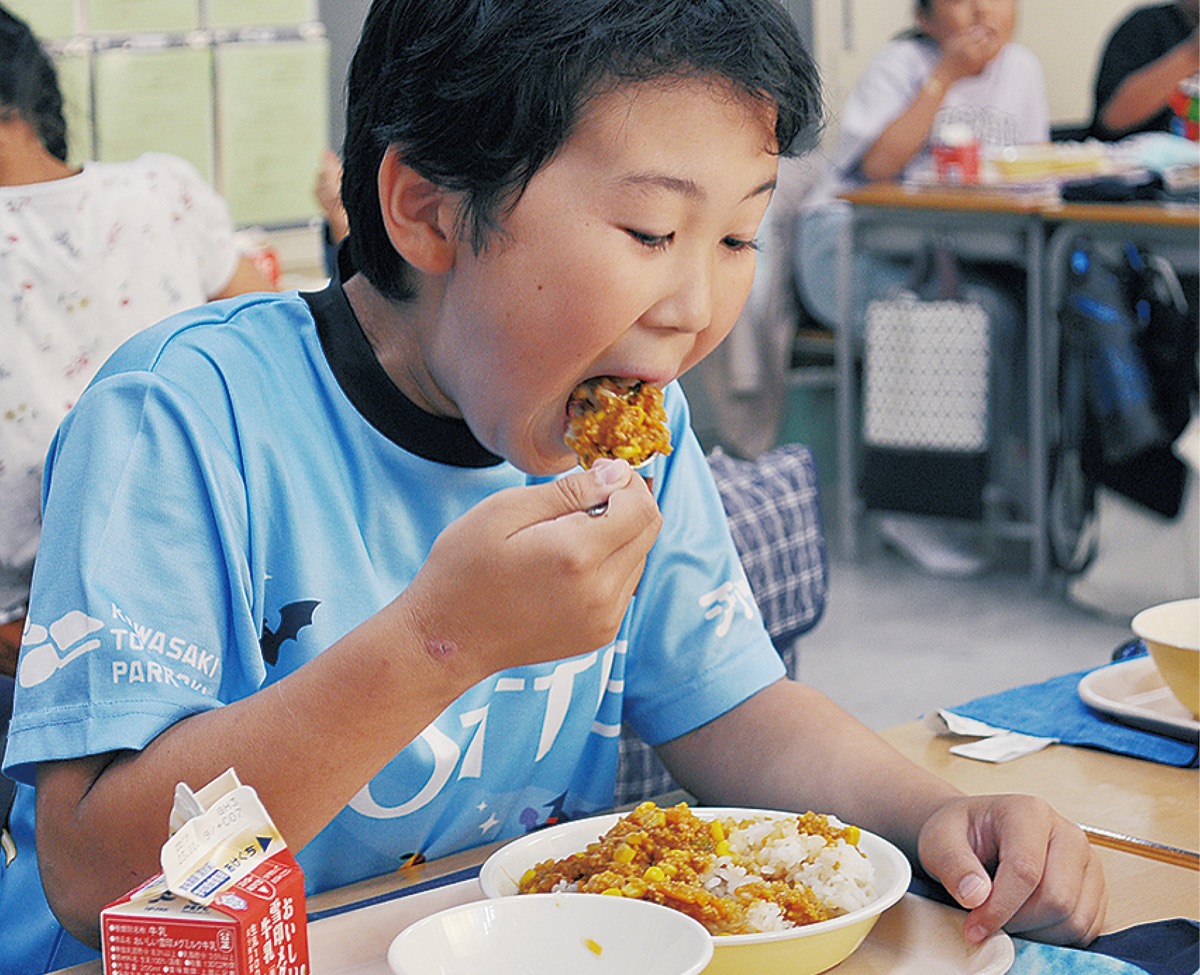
pixel 549 934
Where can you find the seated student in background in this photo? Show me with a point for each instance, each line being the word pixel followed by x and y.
pixel 959 65
pixel 87 257
pixel 1146 57
pixel 539 194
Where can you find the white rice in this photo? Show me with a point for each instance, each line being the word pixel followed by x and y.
pixel 840 876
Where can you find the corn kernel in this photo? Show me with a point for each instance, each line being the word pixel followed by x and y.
pixel 623 853
pixel 527 876
pixel 724 849
pixel 853 835
pixel 612 892
pixel 654 875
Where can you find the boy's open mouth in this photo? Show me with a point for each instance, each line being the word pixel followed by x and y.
pixel 619 418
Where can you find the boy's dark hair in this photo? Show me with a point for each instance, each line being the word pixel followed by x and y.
pixel 479 94
pixel 29 84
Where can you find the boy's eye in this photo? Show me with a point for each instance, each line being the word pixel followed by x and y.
pixel 741 244
pixel 653 241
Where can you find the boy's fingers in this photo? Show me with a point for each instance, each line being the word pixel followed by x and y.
pixel 572 494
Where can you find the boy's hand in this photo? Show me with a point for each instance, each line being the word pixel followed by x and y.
pixel 1046 881
pixel 528 576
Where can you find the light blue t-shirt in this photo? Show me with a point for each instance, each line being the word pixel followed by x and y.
pixel 219 509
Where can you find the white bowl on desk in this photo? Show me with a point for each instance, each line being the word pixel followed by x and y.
pixel 552 934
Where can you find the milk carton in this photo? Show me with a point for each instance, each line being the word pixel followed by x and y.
pixel 230 899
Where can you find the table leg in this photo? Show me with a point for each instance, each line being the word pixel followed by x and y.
pixel 1037 317
pixel 847 432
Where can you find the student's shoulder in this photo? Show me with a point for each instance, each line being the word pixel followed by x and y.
pixel 230 331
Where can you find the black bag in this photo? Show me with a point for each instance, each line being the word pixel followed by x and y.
pixel 1128 381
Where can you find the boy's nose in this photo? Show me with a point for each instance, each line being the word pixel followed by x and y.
pixel 689 305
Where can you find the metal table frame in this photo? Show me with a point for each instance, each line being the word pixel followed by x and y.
pixel 1027 230
pixel 995 226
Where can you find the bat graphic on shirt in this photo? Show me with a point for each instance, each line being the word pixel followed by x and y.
pixel 292 619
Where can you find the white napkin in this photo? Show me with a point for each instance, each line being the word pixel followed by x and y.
pixel 993 744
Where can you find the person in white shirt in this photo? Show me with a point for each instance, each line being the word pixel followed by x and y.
pixel 87 257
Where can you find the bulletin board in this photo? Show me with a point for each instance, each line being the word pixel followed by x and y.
pixel 238 88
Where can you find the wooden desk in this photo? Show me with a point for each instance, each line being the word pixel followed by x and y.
pixel 1030 229
pixel 1143 799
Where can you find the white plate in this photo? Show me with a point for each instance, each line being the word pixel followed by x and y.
pixel 1133 692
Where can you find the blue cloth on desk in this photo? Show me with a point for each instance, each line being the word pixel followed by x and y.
pixel 1158 948
pixel 1053 709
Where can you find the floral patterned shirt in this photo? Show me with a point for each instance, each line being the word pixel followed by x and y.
pixel 85 262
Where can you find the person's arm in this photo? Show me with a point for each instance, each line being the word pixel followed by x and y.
pixel 246 278
pixel 962 56
pixel 10 645
pixel 1010 860
pixel 1144 93
pixel 311 741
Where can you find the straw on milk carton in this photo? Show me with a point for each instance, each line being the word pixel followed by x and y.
pixel 230 899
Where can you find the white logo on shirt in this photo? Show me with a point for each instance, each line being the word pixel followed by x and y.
pixel 46 650
pixel 725 601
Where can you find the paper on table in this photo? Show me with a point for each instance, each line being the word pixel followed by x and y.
pixel 996 745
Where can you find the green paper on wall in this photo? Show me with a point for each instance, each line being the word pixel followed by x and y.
pixel 273 121
pixel 155 101
pixel 258 13
pixel 75 83
pixel 48 19
pixel 120 16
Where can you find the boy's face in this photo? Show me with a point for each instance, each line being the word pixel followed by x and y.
pixel 629 254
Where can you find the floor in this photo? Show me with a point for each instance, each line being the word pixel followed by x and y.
pixel 894 643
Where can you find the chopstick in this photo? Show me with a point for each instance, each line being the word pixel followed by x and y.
pixel 1142 848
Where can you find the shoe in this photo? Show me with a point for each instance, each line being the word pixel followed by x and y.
pixel 932 545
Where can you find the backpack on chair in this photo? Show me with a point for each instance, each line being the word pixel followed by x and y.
pixel 1127 385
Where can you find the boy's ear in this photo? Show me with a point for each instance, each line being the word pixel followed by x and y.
pixel 417 215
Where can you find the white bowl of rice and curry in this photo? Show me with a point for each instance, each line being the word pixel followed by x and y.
pixel 778 892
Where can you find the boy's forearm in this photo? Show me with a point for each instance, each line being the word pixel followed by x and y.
pixel 791 747
pixel 307 744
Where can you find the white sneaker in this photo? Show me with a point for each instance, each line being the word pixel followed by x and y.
pixel 932 545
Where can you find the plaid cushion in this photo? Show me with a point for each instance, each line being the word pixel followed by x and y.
pixel 774 515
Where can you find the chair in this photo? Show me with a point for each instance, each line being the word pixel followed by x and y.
pixel 774 513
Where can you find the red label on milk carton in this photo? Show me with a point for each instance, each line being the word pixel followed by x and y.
pixel 230 899
pixel 255 927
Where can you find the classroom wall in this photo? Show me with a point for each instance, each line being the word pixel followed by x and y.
pixel 1066 35
pixel 343 22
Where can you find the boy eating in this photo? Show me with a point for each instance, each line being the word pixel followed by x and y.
pixel 331 540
